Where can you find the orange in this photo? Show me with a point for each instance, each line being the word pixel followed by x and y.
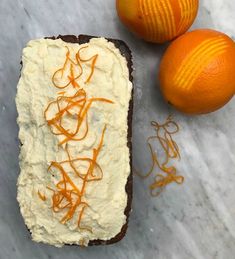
pixel 197 72
pixel 157 20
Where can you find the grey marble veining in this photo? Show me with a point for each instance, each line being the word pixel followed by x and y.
pixel 195 220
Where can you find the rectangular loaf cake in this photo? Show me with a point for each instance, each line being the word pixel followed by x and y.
pixel 74 102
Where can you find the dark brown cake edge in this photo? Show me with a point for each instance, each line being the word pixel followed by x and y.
pixel 126 52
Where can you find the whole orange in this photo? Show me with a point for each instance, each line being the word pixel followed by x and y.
pixel 157 20
pixel 197 72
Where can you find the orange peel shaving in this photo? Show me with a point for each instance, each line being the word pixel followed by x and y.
pixel 171 151
pixel 41 196
pixel 72 78
pixel 79 101
pixel 66 195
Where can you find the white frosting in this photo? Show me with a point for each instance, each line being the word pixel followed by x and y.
pixel 107 198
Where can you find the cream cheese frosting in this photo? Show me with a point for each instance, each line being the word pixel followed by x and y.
pixel 107 198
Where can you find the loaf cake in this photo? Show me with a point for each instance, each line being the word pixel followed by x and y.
pixel 74 102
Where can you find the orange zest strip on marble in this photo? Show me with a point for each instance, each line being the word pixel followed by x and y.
pixel 170 150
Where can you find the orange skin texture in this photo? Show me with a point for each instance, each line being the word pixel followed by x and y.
pixel 197 72
pixel 157 21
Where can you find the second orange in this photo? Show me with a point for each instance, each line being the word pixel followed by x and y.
pixel 157 20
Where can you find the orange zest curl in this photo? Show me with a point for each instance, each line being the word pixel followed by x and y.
pixel 77 107
pixel 170 149
pixel 72 70
pixel 67 197
pixel 41 196
pixel 162 181
pixel 82 243
pixel 61 93
pixel 68 193
pixel 92 59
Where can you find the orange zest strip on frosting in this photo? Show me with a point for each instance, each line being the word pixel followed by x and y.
pixel 41 196
pixel 67 195
pixel 82 243
pixel 88 160
pixel 83 104
pixel 72 79
pixel 80 218
pixel 71 76
pixel 61 93
pixel 93 59
pixel 170 148
pixel 61 71
pixel 92 69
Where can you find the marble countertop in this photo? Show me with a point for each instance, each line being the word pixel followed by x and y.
pixel 195 220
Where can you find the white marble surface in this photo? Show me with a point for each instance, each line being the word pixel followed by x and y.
pixel 196 220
